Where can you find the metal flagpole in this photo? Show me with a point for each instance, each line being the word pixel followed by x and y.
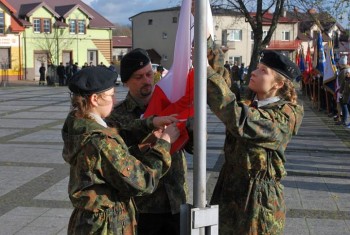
pixel 200 104
pixel 200 219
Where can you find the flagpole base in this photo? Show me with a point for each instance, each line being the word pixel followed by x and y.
pixel 195 221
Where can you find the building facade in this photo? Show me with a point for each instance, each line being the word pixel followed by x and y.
pixel 10 44
pixel 121 46
pixel 156 30
pixel 56 31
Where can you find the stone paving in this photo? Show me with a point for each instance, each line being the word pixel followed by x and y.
pixel 34 177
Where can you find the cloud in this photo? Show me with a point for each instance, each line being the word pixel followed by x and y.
pixel 120 11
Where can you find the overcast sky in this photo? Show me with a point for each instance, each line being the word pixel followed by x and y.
pixel 119 11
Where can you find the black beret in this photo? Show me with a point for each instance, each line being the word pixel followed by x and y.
pixel 133 61
pixel 92 80
pixel 280 63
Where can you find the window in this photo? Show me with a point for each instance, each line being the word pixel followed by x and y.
pixel 285 35
pixel 47 25
pixel 77 27
pixel 42 25
pixel 237 60
pixel 36 25
pixel 81 26
pixel 150 22
pixel 2 22
pixel 174 19
pixel 72 26
pixel 165 35
pixel 5 55
pixel 234 35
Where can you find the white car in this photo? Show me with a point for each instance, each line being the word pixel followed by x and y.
pixel 154 68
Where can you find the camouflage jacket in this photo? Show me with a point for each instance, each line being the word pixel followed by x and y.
pixel 248 190
pixel 104 176
pixel 172 190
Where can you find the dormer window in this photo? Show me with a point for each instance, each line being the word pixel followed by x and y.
pixel 285 35
pixel 47 25
pixel 81 27
pixel 42 25
pixel 36 25
pixel 77 27
pixel 72 26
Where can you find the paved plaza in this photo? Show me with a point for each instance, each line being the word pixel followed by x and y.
pixel 34 177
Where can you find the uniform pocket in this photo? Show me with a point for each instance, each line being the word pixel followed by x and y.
pixel 269 207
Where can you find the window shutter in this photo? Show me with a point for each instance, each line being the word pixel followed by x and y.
pixel 224 37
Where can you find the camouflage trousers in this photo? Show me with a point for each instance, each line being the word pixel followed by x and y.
pixel 250 207
pixel 107 222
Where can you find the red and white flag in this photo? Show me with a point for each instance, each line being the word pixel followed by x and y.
pixel 174 93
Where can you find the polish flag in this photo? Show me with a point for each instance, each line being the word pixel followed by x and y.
pixel 308 60
pixel 174 93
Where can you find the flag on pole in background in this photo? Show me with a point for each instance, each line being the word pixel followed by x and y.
pixel 321 58
pixel 308 60
pixel 302 61
pixel 174 93
pixel 308 66
pixel 297 58
pixel 329 76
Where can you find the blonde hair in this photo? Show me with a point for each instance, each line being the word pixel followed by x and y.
pixel 287 91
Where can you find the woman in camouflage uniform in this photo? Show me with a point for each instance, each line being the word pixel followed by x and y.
pixel 249 190
pixel 104 176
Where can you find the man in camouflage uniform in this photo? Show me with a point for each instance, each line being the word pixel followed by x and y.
pixel 104 176
pixel 159 212
pixel 248 191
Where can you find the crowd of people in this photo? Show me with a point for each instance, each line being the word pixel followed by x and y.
pixel 61 74
pixel 123 178
pixel 333 97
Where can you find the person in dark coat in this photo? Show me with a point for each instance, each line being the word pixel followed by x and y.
pixel 68 73
pixel 61 72
pixel 42 71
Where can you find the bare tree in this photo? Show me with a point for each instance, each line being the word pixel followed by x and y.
pixel 254 12
pixel 336 10
pixel 122 30
pixel 53 43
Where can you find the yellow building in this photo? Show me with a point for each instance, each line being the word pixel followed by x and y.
pixel 10 44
